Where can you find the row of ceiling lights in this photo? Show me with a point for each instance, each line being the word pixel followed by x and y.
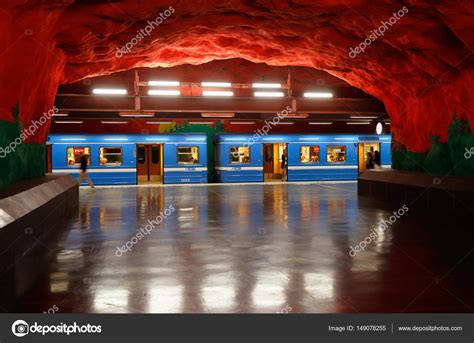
pixel 211 122
pixel 220 93
pixel 175 92
pixel 151 114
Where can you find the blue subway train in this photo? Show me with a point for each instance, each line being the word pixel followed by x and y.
pixel 129 159
pixel 311 157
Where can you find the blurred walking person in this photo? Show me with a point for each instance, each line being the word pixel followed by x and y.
pixel 83 175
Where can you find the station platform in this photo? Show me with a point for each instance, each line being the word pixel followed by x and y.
pixel 258 248
pixel 33 214
pixel 421 191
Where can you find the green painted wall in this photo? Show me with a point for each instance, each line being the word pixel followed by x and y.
pixel 442 158
pixel 24 160
pixel 210 131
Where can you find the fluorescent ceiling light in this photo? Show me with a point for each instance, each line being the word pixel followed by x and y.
pixel 217 115
pixel 297 115
pixel 318 95
pixel 60 114
pixel 69 122
pixel 320 122
pixel 358 123
pixel 269 94
pixel 201 122
pixel 387 123
pixel 364 117
pixel 163 83
pixel 163 92
pixel 218 93
pixel 266 85
pixel 109 91
pixel 216 84
pixel 114 122
pixel 242 122
pixel 286 122
pixel 158 122
pixel 137 114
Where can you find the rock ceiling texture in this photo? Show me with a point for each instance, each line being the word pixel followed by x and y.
pixel 421 68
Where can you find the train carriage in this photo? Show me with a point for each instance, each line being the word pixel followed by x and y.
pixel 182 158
pixel 311 157
pixel 132 159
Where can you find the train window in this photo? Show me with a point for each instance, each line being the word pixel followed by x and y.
pixel 74 155
pixel 336 154
pixel 110 156
pixel 309 154
pixel 239 154
pixel 188 154
pixel 155 154
pixel 141 154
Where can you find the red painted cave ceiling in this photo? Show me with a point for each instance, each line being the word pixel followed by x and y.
pixel 420 65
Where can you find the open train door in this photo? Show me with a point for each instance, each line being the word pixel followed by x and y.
pixel 149 163
pixel 267 161
pixel 272 152
pixel 362 150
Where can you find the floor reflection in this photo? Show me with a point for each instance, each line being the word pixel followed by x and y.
pixel 252 248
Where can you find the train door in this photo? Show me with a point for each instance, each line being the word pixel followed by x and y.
pixel 49 161
pixel 362 151
pixel 149 163
pixel 272 170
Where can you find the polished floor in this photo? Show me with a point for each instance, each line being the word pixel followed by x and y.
pixel 252 249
